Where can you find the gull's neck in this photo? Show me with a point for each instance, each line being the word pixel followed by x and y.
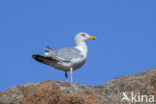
pixel 81 45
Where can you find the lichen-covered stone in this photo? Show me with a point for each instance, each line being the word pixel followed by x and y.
pixel 57 92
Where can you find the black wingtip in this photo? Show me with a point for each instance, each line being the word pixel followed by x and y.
pixel 37 57
pixel 34 56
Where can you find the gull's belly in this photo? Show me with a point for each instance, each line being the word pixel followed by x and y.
pixel 65 66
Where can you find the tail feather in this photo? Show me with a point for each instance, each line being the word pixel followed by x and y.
pixel 47 46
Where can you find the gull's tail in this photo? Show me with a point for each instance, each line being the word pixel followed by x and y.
pixel 48 49
pixel 47 46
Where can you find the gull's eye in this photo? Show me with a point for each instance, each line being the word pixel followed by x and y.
pixel 83 34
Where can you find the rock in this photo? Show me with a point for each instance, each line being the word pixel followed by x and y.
pixel 57 92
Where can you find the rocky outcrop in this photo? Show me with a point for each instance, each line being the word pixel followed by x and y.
pixel 142 86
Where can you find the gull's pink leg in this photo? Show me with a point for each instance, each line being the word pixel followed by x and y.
pixel 71 76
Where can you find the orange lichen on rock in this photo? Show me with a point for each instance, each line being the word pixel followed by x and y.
pixel 54 95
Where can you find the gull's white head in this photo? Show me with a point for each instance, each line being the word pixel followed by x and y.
pixel 82 36
pixel 80 40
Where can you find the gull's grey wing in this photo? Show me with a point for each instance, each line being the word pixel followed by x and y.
pixel 68 54
pixel 64 54
pixel 53 55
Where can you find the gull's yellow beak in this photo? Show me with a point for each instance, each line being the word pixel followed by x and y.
pixel 92 37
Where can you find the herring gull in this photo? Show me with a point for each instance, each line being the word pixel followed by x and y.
pixel 66 59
